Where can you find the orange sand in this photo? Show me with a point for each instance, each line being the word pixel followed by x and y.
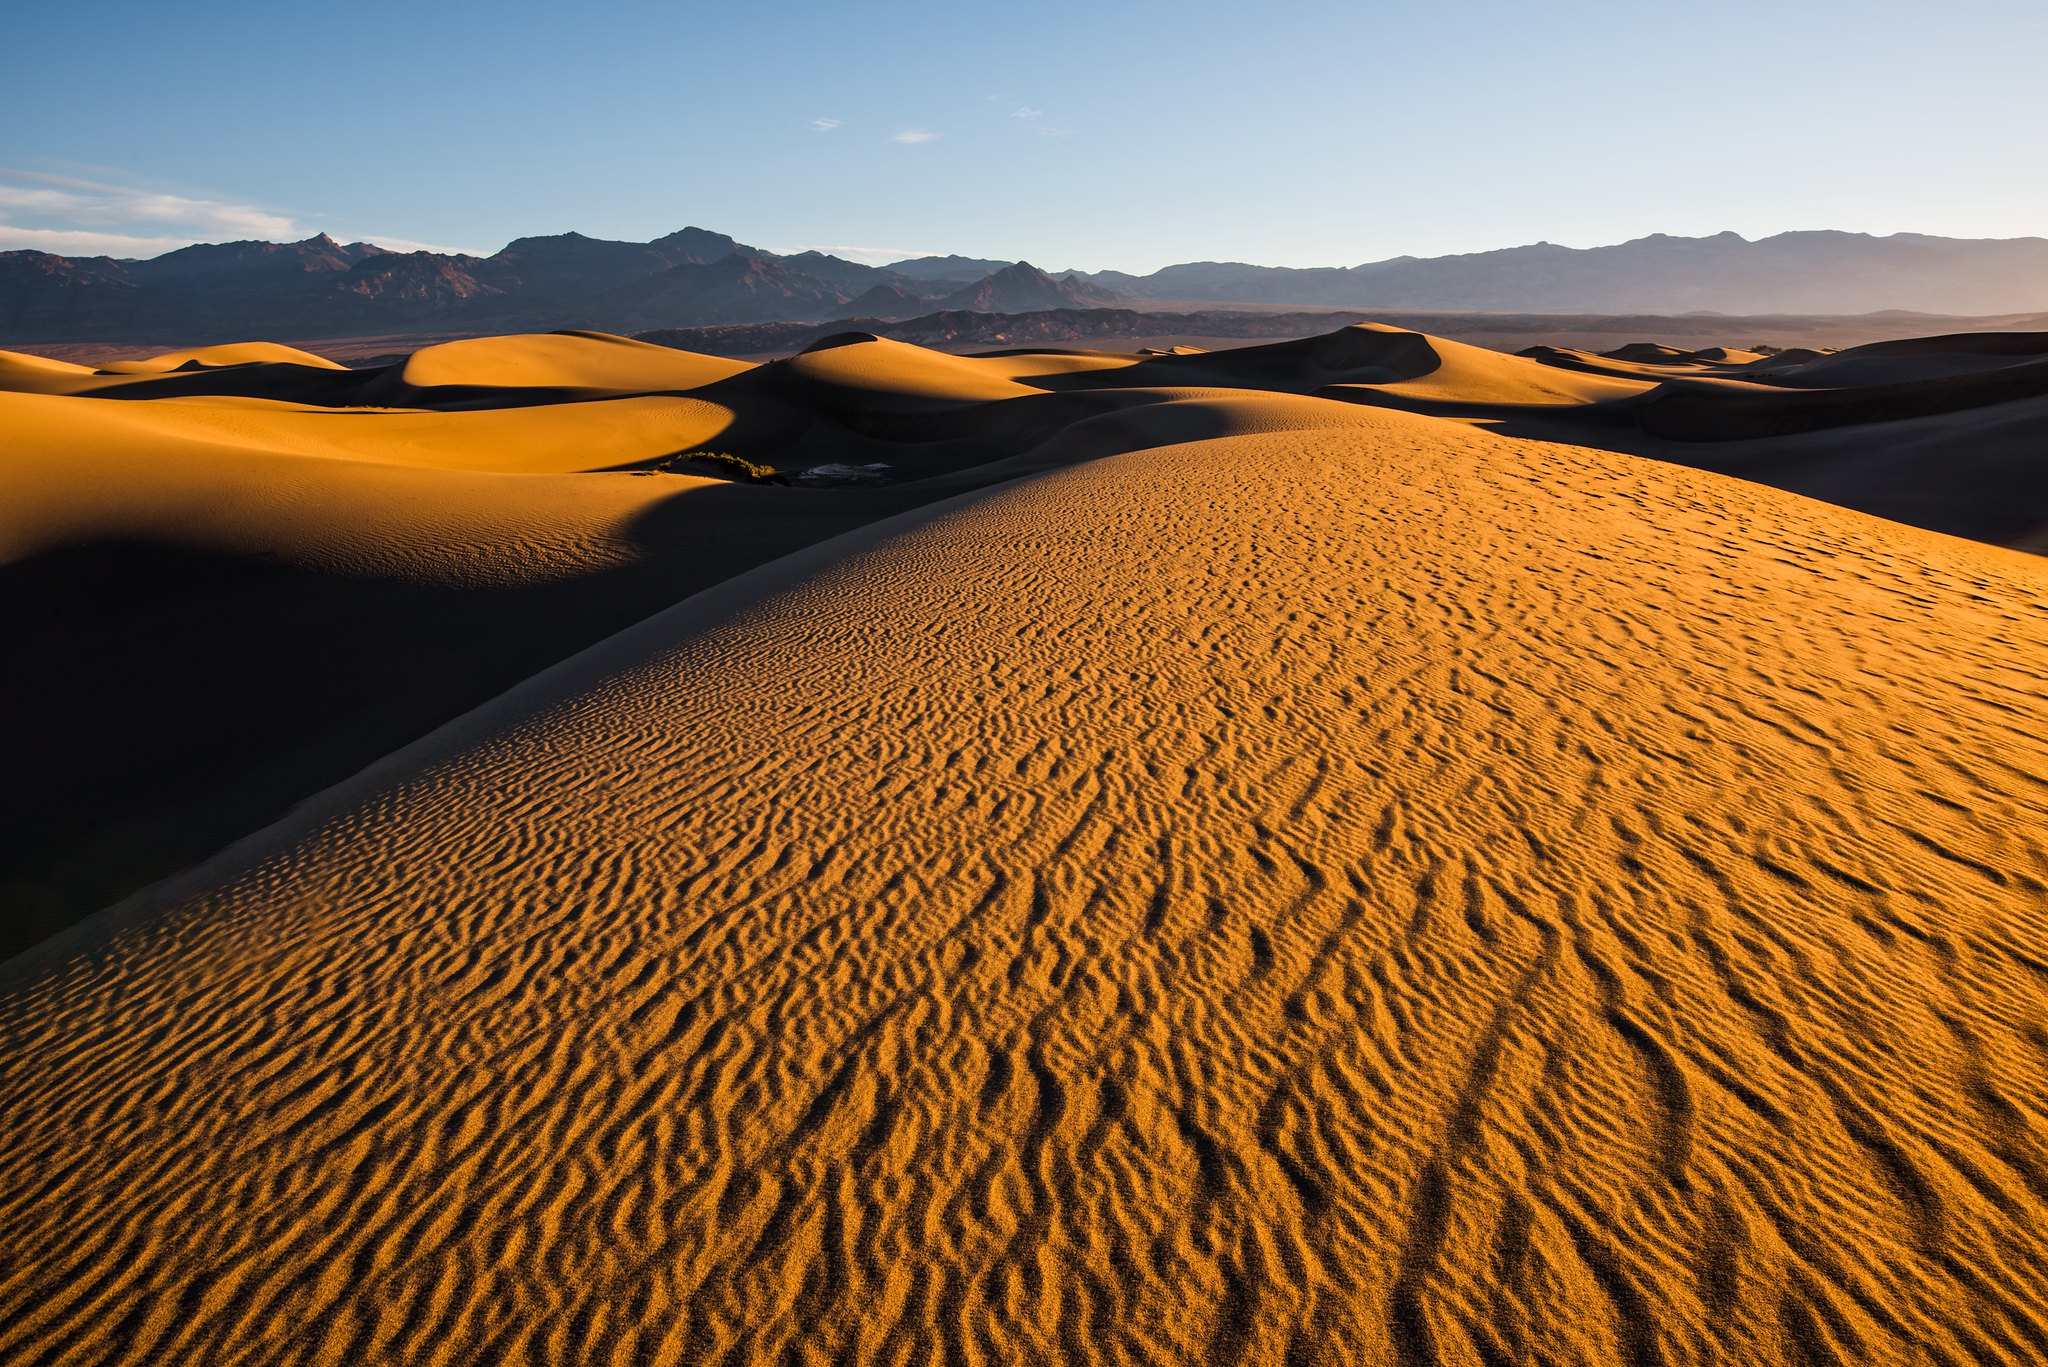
pixel 1352 887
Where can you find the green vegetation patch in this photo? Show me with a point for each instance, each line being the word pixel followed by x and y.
pixel 719 465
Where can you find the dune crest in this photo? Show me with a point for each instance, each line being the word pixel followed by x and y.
pixel 577 361
pixel 220 357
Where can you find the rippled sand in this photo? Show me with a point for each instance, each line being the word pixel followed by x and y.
pixel 1391 894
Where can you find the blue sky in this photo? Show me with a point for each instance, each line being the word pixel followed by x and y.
pixel 1119 133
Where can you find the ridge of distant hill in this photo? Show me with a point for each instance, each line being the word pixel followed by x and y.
pixel 1023 288
pixel 216 292
pixel 1798 272
pixel 947 270
pixel 696 278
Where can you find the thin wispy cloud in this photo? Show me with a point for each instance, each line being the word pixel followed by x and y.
pixel 914 135
pixel 73 215
pixel 77 242
pixel 823 125
pixel 94 203
pixel 1034 119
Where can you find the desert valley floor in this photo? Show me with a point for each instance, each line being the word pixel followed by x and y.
pixel 1347 851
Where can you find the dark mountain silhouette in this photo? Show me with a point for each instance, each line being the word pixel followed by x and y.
pixel 214 284
pixel 248 263
pixel 59 297
pixel 1023 288
pixel 221 292
pixel 738 288
pixel 694 278
pixel 406 287
pixel 574 268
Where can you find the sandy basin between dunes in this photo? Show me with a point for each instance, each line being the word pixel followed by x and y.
pixel 1390 895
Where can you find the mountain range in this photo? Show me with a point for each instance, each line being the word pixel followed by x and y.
pixel 320 287
pixel 1797 273
pixel 697 278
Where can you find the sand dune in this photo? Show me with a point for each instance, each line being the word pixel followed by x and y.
pixel 1941 432
pixel 581 361
pixel 241 583
pixel 24 374
pixel 1466 375
pixel 219 357
pixel 1326 884
pixel 1372 363
pixel 895 374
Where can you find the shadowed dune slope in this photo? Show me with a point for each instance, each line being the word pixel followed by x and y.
pixel 223 602
pixel 1390 895
pixel 1978 473
pixel 371 493
pixel 1945 433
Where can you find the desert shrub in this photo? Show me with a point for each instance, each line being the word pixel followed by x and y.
pixel 721 465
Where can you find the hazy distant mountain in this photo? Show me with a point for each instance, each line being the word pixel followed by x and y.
pixel 847 275
pixel 1805 272
pixel 1023 288
pixel 954 270
pixel 694 278
pixel 883 301
pixel 737 288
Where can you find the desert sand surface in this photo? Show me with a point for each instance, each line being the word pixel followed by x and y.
pixel 1943 432
pixel 242 574
pixel 1285 856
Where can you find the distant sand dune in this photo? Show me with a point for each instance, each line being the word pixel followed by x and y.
pixel 591 361
pixel 1381 893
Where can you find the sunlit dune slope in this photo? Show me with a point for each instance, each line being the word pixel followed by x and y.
pixel 589 361
pixel 1463 374
pixel 536 439
pixel 24 374
pixel 877 371
pixel 217 357
pixel 535 368
pixel 1390 894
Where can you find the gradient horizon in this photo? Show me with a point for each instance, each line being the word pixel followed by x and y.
pixel 1128 136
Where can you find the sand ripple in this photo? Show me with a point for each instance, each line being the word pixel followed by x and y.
pixel 1396 895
